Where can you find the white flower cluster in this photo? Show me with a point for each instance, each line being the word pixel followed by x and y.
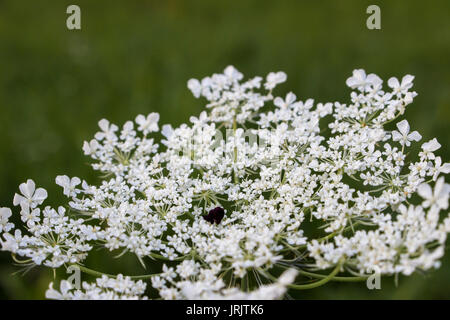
pixel 120 288
pixel 247 188
pixel 53 238
pixel 215 289
pixel 208 288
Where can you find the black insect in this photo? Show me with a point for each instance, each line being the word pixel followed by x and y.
pixel 215 215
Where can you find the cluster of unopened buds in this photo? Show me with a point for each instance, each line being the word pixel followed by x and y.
pixel 258 195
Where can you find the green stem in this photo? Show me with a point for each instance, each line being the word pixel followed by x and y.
pixel 331 235
pixel 310 285
pixel 99 274
pixel 14 257
pixel 320 282
pixel 325 238
pixel 322 276
pixel 393 119
pixel 158 256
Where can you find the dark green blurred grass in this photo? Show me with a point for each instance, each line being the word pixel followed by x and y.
pixel 135 57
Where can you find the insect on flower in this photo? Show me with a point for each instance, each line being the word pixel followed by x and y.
pixel 215 215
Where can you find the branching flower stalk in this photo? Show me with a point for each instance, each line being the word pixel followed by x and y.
pixel 256 196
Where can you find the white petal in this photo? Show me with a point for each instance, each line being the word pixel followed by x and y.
pixel 86 148
pixel 52 293
pixel 103 124
pixel 438 162
pixel 290 98
pixel 27 188
pixel 431 145
pixel 40 195
pixel 393 83
pixel 75 181
pixel 439 186
pixel 65 287
pixel 352 82
pixel 128 126
pixel 5 213
pixel 62 181
pixel 425 191
pixel 445 168
pixel 396 136
pixel 287 277
pixel 414 136
pixel 374 79
pixel 153 117
pixel 18 199
pixel 167 130
pixel 278 102
pixel 359 74
pixel 99 136
pixel 113 128
pixel 203 116
pixel 140 119
pixel 276 77
pixel 407 80
pixel 442 202
pixel 233 73
pixel 403 127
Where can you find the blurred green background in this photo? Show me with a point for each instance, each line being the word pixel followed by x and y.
pixel 135 57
